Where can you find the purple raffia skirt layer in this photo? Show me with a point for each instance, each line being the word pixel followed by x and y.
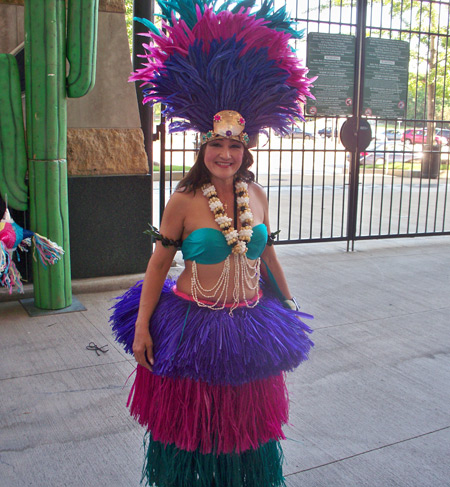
pixel 193 342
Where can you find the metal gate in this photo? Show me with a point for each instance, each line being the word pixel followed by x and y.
pixel 317 190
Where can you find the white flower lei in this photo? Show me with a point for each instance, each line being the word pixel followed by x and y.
pixel 238 240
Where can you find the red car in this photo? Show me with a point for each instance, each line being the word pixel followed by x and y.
pixel 419 136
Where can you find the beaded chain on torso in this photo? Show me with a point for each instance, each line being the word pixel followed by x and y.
pixel 246 275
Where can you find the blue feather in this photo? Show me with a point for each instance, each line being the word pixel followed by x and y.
pixel 148 24
pixel 186 10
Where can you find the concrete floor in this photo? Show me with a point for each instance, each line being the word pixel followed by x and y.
pixel 370 408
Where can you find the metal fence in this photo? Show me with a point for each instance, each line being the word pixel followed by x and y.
pixel 317 190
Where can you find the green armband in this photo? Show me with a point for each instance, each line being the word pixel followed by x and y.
pixel 287 303
pixel 271 238
pixel 167 242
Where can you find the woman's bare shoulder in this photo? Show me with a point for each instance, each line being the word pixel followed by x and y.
pixel 257 190
pixel 180 206
pixel 179 199
pixel 175 212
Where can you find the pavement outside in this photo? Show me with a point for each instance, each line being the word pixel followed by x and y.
pixel 370 408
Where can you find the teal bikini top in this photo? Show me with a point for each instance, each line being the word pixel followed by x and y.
pixel 208 245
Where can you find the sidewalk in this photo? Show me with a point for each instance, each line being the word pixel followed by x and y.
pixel 371 408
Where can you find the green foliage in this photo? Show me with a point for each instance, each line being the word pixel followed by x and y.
pixel 172 168
pixel 129 21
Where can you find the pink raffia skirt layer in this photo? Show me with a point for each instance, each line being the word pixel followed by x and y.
pixel 194 415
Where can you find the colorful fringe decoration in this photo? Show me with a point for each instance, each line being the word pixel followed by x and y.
pixel 12 237
pixel 4 258
pixel 9 275
pixel 216 401
pixel 49 252
pixel 207 59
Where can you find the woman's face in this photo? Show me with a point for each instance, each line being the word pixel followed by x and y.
pixel 223 157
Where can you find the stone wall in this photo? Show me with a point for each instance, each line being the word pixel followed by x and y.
pixel 95 151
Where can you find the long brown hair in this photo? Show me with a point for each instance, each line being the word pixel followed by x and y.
pixel 199 173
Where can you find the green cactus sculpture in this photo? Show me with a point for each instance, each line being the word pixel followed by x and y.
pixel 13 156
pixel 46 88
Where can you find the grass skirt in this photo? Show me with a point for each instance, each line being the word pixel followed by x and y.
pixel 212 346
pixel 216 400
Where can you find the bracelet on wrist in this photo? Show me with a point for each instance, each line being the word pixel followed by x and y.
pixel 291 304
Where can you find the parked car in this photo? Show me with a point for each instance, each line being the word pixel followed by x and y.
pixel 380 153
pixel 299 133
pixel 326 132
pixel 443 133
pixel 389 134
pixel 419 136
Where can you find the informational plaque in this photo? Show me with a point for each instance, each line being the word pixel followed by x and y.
pixel 385 78
pixel 331 57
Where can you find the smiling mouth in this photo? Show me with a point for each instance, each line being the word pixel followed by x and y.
pixel 224 164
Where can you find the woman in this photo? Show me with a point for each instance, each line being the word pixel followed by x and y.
pixel 213 346
pixel 209 383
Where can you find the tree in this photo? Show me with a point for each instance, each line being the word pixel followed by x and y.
pixel 427 30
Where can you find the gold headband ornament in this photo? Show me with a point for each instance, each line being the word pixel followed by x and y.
pixel 227 124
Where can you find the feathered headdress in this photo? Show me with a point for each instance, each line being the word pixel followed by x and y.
pixel 224 73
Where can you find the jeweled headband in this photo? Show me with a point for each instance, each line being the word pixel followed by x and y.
pixel 227 124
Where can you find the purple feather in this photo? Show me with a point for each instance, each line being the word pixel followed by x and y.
pixel 198 86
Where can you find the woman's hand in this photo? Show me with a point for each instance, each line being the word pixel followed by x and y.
pixel 143 347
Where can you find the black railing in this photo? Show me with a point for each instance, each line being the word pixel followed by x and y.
pixel 393 188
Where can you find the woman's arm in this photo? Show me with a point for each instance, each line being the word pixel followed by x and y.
pixel 270 263
pixel 155 275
